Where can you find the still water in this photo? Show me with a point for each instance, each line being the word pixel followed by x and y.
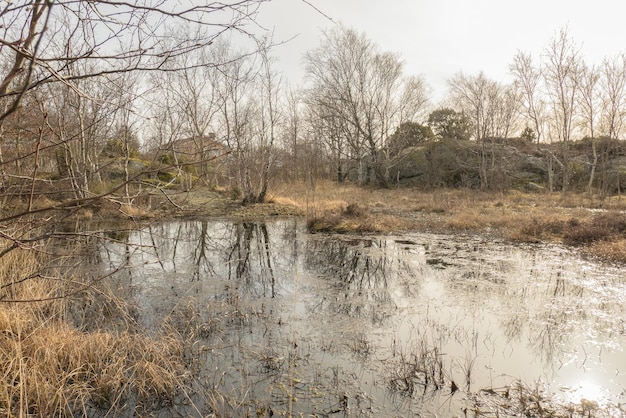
pixel 287 323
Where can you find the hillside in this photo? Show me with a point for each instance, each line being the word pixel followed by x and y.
pixel 499 164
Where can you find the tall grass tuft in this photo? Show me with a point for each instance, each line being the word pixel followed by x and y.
pixel 49 366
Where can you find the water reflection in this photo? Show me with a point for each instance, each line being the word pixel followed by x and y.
pixel 359 272
pixel 347 310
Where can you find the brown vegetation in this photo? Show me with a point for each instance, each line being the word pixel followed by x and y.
pixel 597 226
pixel 352 218
pixel 51 366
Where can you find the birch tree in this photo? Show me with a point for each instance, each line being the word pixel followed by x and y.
pixel 364 91
pixel 589 104
pixel 247 97
pixel 270 83
pixel 613 95
pixel 613 98
pixel 528 81
pixel 491 107
pixel 562 71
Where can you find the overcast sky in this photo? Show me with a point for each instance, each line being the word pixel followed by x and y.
pixel 438 38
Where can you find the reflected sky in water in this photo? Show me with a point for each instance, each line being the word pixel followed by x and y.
pixel 352 306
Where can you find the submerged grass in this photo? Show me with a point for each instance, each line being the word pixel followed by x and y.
pixel 50 366
pixel 424 369
pixel 522 400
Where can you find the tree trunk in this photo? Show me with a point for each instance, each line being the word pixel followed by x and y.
pixel 594 164
pixel 484 178
pixel 339 172
pixel 550 174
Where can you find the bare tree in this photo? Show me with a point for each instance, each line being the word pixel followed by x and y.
pixel 232 82
pixel 364 91
pixel 80 126
pixel 562 78
pixel 589 104
pixel 491 107
pixel 293 133
pixel 613 92
pixel 184 109
pixel 414 101
pixel 247 92
pixel 329 130
pixel 528 79
pixel 270 84
pixel 471 95
pixel 333 132
pixel 125 87
pixel 613 102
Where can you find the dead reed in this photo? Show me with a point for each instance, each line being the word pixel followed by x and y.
pixel 52 367
pixel 420 369
pixel 423 370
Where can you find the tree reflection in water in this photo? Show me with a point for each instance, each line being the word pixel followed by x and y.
pixel 338 313
pixel 251 244
pixel 358 271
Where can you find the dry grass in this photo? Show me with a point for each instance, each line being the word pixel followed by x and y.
pixel 42 202
pixel 280 200
pixel 133 211
pixel 597 225
pixel 49 367
pixel 614 250
pixel 353 218
pixel 55 370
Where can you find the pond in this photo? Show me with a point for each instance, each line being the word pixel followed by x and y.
pixel 290 323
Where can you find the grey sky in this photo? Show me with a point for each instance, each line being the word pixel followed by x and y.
pixel 437 38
